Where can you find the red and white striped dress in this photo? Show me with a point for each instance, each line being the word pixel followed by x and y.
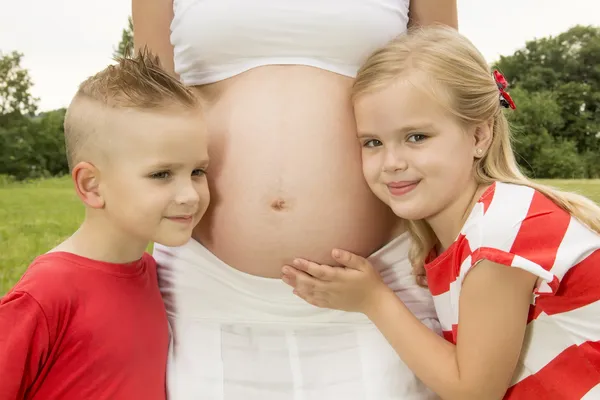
pixel 517 226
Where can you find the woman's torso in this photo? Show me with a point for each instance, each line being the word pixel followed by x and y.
pixel 285 172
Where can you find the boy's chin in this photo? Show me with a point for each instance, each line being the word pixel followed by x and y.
pixel 172 240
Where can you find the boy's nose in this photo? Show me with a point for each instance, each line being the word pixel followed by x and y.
pixel 188 195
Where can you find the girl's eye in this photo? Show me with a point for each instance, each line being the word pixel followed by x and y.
pixel 417 137
pixel 372 143
pixel 161 175
pixel 198 172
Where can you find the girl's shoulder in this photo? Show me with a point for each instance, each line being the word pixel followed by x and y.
pixel 508 205
pixel 508 213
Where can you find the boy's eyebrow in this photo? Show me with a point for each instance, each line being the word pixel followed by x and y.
pixel 175 165
pixel 364 135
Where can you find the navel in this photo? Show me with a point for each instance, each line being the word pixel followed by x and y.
pixel 279 204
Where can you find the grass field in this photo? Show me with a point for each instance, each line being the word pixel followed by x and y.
pixel 36 216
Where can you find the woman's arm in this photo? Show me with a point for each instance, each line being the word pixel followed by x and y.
pixel 427 12
pixel 152 28
pixel 494 306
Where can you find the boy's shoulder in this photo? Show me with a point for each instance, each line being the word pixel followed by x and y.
pixel 59 268
pixel 59 277
pixel 47 279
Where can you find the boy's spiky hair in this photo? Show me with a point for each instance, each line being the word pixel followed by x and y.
pixel 137 82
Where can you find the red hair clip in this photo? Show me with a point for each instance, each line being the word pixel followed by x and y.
pixel 505 100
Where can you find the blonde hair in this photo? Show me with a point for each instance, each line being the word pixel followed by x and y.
pixel 138 82
pixel 462 82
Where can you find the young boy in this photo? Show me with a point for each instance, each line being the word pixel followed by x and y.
pixel 86 320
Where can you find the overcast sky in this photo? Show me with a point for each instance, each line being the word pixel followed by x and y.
pixel 65 41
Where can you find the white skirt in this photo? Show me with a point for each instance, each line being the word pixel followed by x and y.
pixel 243 337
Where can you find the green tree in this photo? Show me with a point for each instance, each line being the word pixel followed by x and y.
pixel 15 89
pixel 31 145
pixel 540 154
pixel 567 65
pixel 34 147
pixel 17 106
pixel 559 160
pixel 49 142
pixel 125 46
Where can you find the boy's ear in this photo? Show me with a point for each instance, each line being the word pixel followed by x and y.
pixel 482 138
pixel 86 178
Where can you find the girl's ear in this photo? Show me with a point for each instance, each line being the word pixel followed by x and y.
pixel 482 138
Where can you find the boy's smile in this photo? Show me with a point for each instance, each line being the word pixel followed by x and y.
pixel 154 182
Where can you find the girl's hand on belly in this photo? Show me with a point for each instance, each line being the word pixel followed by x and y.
pixel 356 287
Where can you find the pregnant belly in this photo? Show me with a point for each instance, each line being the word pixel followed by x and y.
pixel 285 174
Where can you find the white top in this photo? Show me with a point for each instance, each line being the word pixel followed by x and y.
pixel 215 40
pixel 239 336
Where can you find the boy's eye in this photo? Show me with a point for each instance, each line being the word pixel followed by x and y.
pixel 161 175
pixel 372 143
pixel 198 172
pixel 417 137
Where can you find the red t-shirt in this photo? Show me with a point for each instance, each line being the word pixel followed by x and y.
pixel 75 328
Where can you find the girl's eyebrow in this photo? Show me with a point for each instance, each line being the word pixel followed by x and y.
pixel 402 129
pixel 414 127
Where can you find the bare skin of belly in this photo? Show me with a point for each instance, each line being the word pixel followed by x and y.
pixel 285 172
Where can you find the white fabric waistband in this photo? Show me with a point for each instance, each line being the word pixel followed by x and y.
pixel 197 285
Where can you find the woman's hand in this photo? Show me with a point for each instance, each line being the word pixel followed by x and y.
pixel 354 287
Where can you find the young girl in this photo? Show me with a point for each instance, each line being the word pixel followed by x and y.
pixel 436 149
